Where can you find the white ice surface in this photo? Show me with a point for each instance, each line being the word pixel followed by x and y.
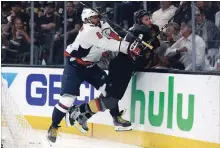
pixel 69 141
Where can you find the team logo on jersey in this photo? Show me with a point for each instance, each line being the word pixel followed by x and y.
pixel 99 35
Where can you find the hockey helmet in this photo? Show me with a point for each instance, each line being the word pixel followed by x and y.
pixel 87 13
pixel 139 14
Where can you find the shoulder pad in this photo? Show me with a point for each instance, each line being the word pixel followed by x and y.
pixel 141 28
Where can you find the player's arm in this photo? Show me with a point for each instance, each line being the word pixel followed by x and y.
pixel 109 31
pixel 128 37
pixel 97 39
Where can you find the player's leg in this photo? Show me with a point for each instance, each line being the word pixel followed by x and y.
pixel 97 78
pixel 79 113
pixel 117 81
pixel 82 113
pixel 120 123
pixel 69 90
pixel 120 73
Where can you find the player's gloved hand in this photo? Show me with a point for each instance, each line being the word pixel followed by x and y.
pixel 135 50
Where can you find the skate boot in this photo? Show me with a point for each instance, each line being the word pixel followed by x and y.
pixel 52 133
pixel 82 120
pixel 77 119
pixel 70 121
pixel 121 124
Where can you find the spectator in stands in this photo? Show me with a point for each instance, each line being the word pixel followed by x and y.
pixel 73 26
pixel 73 23
pixel 49 24
pixel 5 12
pixel 16 11
pixel 160 59
pixel 18 40
pixel 172 34
pixel 59 8
pixel 18 31
pixel 38 10
pixel 162 16
pixel 184 47
pixel 18 34
pixel 125 11
pixel 206 29
pixel 217 17
pixel 78 7
pixel 209 8
pixel 183 13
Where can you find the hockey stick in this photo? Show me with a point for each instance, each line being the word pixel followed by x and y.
pixel 104 13
pixel 118 26
pixel 130 33
pixel 109 10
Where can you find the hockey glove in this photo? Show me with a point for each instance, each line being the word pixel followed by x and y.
pixel 135 50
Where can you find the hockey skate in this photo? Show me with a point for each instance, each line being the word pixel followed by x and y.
pixel 52 134
pixel 71 121
pixel 82 121
pixel 121 124
pixel 75 118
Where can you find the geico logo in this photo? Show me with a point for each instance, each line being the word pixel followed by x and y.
pixel 43 90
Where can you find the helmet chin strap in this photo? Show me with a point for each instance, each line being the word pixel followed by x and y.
pixel 89 21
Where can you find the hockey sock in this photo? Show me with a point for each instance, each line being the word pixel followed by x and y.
pixel 101 104
pixel 89 115
pixel 114 111
pixel 96 105
pixel 57 116
pixel 61 108
pixel 85 109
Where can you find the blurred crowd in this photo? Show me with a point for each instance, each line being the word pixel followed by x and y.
pixel 48 42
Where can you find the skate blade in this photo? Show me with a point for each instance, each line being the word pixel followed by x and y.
pixel 49 142
pixel 121 129
pixel 79 127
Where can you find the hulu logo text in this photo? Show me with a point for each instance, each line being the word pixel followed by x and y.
pixel 157 120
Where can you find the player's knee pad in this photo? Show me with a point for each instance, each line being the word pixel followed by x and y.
pixel 65 102
pixel 101 104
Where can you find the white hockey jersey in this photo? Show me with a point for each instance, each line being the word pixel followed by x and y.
pixel 90 43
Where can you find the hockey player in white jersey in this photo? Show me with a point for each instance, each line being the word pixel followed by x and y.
pixel 82 56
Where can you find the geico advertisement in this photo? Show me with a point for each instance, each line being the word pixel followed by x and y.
pixel 171 104
pixel 37 90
